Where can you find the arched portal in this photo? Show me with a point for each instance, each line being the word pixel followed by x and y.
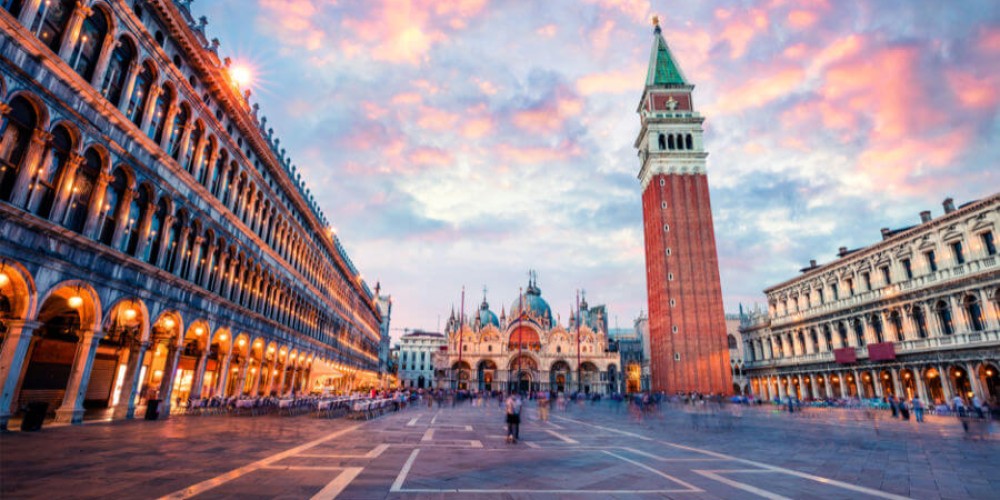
pixel 935 392
pixel 486 371
pixel 908 383
pixel 989 378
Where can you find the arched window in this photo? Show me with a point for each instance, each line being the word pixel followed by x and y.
pixel 177 131
pixel 663 142
pixel 114 207
pixel 206 153
pixel 814 338
pixel 203 259
pixel 159 119
pixel 230 181
pixel 12 6
pixel 43 191
pixel 688 142
pixel 92 34
pixel 55 17
pixel 157 231
pixel 188 256
pixel 876 322
pixel 140 94
pixel 944 317
pixel 219 173
pixel 975 313
pixel 136 214
pixel 173 244
pixel 670 142
pixel 732 341
pixel 859 332
pixel 17 129
pixel 122 58
pixel 920 321
pixel 196 134
pixel 828 336
pixel 83 191
pixel 896 323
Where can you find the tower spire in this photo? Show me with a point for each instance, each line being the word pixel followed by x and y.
pixel 663 69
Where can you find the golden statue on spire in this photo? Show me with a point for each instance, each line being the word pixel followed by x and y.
pixel 656 20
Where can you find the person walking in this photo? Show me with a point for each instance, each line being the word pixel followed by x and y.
pixel 513 407
pixel 543 406
pixel 918 408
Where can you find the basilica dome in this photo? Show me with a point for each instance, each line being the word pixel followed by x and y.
pixel 486 316
pixel 534 305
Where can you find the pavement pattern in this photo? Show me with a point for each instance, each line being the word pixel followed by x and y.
pixel 588 451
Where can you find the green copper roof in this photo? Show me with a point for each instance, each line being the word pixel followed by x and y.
pixel 663 70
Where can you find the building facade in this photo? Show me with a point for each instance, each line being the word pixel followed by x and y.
pixel 687 329
pixel 916 314
pixel 416 359
pixel 633 352
pixel 384 305
pixel 156 243
pixel 529 351
pixel 736 358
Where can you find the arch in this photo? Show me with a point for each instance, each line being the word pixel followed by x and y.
pixel 18 294
pixel 19 126
pixel 121 60
pixel 168 327
pixel 85 300
pixel 974 312
pixel 524 337
pixel 145 80
pixel 84 188
pixel 670 142
pixel 90 41
pixel 688 142
pixel 126 321
pixel 662 140
pixel 43 189
pixel 116 205
pixel 55 20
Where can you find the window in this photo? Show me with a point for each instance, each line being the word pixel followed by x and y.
pixel 662 142
pixel 673 302
pixel 975 313
pixel 886 278
pixel 907 268
pixel 83 190
pixel 859 332
pixel 43 189
pixel 91 39
pixel 677 356
pixel 670 276
pixel 866 278
pixel 850 287
pixel 673 328
pixel 18 127
pixel 944 317
pixel 820 295
pixel 833 290
pixel 663 182
pixel 931 260
pixel 956 250
pixel 666 227
pixel 140 94
pixel 668 251
pixel 988 243
pixel 113 207
pixel 55 18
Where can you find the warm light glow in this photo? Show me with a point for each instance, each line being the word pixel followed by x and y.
pixel 129 314
pixel 75 301
pixel 242 342
pixel 198 331
pixel 989 373
pixel 169 322
pixel 241 74
pixel 222 337
pixel 4 279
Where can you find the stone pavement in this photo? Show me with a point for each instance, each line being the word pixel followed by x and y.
pixel 592 451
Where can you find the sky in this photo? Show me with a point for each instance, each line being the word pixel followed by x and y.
pixel 463 143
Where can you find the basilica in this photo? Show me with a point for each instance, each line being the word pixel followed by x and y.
pixel 527 350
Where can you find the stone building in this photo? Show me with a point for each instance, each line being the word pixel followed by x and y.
pixel 529 351
pixel 416 359
pixel 156 242
pixel 684 292
pixel 633 351
pixel 917 313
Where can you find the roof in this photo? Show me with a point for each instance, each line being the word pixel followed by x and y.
pixel 663 69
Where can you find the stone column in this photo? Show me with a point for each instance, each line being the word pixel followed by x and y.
pixel 64 186
pixel 877 383
pixel 858 384
pixel 130 77
pixel 161 256
pixel 921 386
pixel 814 388
pixel 95 213
pixel 182 146
pixel 182 248
pixel 199 374
pixel 40 140
pixel 256 378
pixel 199 153
pixel 167 382
pixel 213 158
pixel 209 264
pixel 72 32
pixel 142 238
pixel 12 358
pixel 123 218
pixel 220 384
pixel 168 125
pixel 974 382
pixel 71 409
pixel 896 385
pixel 194 265
pixel 28 12
pixel 295 375
pixel 945 377
pixel 131 388
pixel 107 47
pixel 242 380
pixel 843 386
pixel 281 380
pixel 147 114
pixel 781 389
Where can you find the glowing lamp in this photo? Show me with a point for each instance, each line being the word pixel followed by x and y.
pixel 75 301
pixel 198 331
pixel 222 337
pixel 129 314
pixel 169 322
pixel 4 279
pixel 242 342
pixel 989 373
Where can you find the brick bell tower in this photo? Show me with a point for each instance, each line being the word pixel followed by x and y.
pixel 687 327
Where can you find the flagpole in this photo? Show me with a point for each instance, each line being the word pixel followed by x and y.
pixel 579 374
pixel 461 326
pixel 520 335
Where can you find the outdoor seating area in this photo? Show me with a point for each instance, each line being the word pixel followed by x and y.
pixel 353 407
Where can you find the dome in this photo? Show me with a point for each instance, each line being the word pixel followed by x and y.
pixel 486 317
pixel 534 305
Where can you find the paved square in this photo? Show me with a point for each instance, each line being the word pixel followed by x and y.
pixel 591 451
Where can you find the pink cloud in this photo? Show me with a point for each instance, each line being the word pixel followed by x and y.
pixel 530 155
pixel 425 156
pixel 601 35
pixel 974 91
pixel 547 31
pixel 550 115
pixel 989 40
pixel 893 163
pixel 760 91
pixel 801 19
pixel 636 10
pixel 627 80
pixel 405 98
pixel 294 21
pixel 478 124
pixel 437 120
pixel 740 29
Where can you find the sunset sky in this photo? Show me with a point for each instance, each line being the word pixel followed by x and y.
pixel 466 142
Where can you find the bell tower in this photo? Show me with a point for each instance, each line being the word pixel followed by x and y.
pixel 689 350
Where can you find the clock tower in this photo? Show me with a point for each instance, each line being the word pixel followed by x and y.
pixel 688 344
